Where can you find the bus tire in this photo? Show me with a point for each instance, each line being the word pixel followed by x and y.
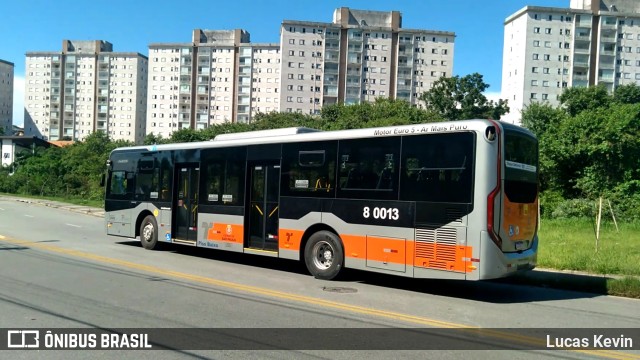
pixel 323 255
pixel 149 233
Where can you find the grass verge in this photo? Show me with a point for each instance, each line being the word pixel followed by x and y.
pixel 570 244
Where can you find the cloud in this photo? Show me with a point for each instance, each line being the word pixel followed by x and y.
pixel 495 96
pixel 18 101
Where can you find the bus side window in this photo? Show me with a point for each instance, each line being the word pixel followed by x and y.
pixel 308 169
pixel 438 168
pixel 165 179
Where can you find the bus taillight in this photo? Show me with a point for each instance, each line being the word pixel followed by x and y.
pixel 491 216
pixel 494 193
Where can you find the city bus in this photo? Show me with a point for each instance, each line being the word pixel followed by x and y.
pixel 450 200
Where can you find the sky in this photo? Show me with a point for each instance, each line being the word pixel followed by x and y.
pixel 131 25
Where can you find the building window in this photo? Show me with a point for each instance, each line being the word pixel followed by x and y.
pixel 534 70
pixel 547 31
pixel 536 43
pixel 535 56
pixel 536 30
pixel 534 96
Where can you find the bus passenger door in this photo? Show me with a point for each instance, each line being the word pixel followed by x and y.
pixel 262 211
pixel 186 203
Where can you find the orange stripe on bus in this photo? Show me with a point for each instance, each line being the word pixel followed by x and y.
pixel 397 251
pixel 289 239
pixel 226 232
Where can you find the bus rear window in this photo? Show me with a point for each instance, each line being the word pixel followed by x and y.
pixel 521 167
pixel 521 151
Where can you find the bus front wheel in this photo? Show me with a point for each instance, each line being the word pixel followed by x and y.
pixel 149 232
pixel 324 255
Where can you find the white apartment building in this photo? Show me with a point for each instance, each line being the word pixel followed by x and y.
pixel 6 97
pixel 84 88
pixel 594 42
pixel 360 56
pixel 219 77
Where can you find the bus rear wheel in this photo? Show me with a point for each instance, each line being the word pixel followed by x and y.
pixel 149 233
pixel 324 255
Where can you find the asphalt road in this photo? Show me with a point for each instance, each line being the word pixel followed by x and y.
pixel 60 270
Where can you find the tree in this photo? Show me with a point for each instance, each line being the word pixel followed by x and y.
pixel 456 98
pixel 279 120
pixel 627 94
pixel 542 118
pixel 578 99
pixel 382 112
pixel 187 135
pixel 152 139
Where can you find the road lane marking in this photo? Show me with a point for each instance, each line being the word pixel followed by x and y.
pixel 612 354
pixel 29 216
pixel 78 226
pixel 2 209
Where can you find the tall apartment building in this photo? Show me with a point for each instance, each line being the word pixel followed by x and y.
pixel 360 56
pixel 83 88
pixel 6 97
pixel 593 42
pixel 219 77
pixel 222 77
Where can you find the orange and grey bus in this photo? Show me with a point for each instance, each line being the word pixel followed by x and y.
pixel 455 200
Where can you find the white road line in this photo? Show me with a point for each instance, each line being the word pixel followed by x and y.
pixel 74 225
pixel 2 209
pixel 28 215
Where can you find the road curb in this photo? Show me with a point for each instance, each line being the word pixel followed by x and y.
pixel 87 210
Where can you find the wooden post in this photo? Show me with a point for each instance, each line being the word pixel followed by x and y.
pixel 539 218
pixel 598 223
pixel 613 216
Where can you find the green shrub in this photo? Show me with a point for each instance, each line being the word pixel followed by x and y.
pixel 574 208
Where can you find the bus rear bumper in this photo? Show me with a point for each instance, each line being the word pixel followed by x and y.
pixel 497 264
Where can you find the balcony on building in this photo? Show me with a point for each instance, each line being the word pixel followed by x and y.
pixel 331 68
pixel 608 22
pixel 583 34
pixel 582 47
